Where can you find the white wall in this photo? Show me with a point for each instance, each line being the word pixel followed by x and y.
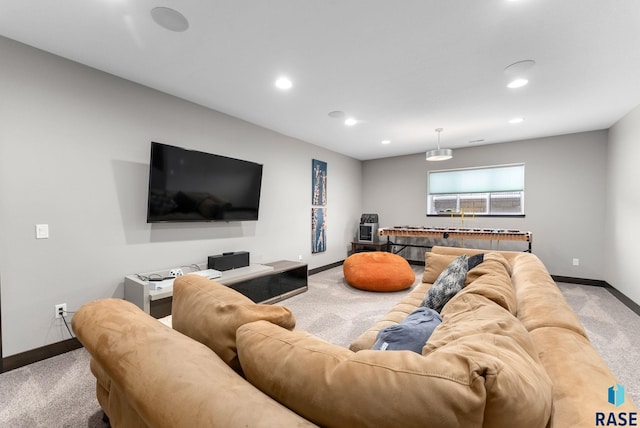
pixel 74 149
pixel 622 225
pixel 74 154
pixel 564 196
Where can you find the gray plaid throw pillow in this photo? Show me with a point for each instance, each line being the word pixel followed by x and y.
pixel 449 282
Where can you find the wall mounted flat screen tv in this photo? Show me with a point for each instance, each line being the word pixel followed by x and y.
pixel 187 185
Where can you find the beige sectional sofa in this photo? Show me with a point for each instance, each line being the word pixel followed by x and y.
pixel 509 352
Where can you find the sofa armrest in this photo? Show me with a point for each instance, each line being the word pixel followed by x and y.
pixel 167 378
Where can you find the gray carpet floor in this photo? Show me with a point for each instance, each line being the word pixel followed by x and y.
pixel 60 391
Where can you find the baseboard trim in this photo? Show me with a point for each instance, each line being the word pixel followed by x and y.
pixel 13 362
pixel 341 262
pixel 325 267
pixel 599 283
pixel 624 299
pixel 583 281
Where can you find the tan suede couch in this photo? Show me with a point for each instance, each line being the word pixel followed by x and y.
pixel 509 353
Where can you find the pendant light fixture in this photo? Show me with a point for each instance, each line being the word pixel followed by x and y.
pixel 439 154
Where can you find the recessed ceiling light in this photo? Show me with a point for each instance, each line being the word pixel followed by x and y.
pixel 518 73
pixel 284 83
pixel 516 120
pixel 169 19
pixel 337 114
pixel 386 141
pixel 517 83
pixel 350 121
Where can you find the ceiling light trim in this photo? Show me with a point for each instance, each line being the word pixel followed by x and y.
pixel 169 19
pixel 519 68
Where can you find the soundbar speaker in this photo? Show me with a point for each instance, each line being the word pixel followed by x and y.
pixel 228 261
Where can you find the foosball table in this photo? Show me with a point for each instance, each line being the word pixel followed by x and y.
pixel 454 233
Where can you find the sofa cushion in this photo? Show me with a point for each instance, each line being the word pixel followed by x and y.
pixel 435 263
pixel 478 378
pixel 519 392
pixel 161 378
pixel 540 302
pixel 210 313
pixel 458 251
pixel 580 377
pixel 448 283
pixel 492 279
pixel 334 387
pixel 411 334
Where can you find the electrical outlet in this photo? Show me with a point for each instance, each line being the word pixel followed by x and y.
pixel 61 310
pixel 42 231
pixel 576 262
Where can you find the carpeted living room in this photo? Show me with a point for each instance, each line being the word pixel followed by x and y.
pixel 62 388
pixel 142 142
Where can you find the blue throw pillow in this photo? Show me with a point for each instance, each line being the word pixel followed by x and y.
pixel 411 334
pixel 448 283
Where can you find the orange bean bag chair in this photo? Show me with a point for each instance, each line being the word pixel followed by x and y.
pixel 378 271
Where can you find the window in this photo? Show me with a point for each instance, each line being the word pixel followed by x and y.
pixel 491 190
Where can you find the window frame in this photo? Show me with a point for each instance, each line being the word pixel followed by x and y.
pixel 488 195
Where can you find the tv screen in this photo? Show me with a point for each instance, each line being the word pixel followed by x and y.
pixel 187 185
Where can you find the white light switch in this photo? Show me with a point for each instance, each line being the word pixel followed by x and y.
pixel 42 231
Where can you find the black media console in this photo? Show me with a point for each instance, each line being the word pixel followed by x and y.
pixel 287 279
pixel 265 283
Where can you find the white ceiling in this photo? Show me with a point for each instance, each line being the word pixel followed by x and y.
pixel 403 68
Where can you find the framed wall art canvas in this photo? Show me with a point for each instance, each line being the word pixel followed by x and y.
pixel 319 182
pixel 318 230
